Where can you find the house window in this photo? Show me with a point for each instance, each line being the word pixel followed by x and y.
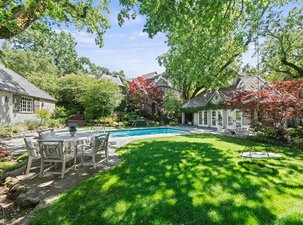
pixel 238 118
pixel 220 118
pixel 203 118
pixel 26 104
pixel 200 117
pixel 230 118
pixel 213 118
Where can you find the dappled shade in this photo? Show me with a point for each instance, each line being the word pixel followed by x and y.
pixel 196 179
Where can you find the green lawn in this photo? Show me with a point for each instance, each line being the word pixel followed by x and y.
pixel 196 179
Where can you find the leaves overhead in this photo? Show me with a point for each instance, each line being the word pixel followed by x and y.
pixel 16 16
pixel 282 50
pixel 205 38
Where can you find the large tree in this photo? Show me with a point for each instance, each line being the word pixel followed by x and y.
pixel 17 15
pixel 37 69
pixel 59 45
pixel 205 38
pixel 282 51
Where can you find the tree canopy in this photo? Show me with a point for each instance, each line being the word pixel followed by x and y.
pixel 16 16
pixel 282 50
pixel 205 38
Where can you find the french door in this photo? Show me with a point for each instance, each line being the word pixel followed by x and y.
pixel 234 119
pixel 217 118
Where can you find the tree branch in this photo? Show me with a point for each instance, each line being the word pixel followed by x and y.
pixel 22 18
pixel 293 66
pixel 196 91
pixel 282 71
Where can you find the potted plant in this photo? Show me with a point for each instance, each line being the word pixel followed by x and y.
pixel 72 129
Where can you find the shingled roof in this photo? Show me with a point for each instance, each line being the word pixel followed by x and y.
pixel 243 82
pixel 13 82
pixel 117 80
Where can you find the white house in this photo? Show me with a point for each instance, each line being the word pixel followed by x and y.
pixel 19 98
pixel 207 108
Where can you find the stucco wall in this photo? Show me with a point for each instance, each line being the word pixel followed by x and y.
pixel 9 116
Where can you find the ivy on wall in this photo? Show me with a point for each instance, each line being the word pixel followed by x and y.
pixel 208 106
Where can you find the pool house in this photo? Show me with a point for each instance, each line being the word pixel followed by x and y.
pixel 207 108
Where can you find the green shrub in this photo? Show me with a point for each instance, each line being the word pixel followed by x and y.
pixel 53 123
pixel 296 136
pixel 107 121
pixel 44 115
pixel 61 113
pixel 100 99
pixel 129 116
pixel 295 132
pixel 172 106
pixel 19 128
pixel 33 124
pixel 6 131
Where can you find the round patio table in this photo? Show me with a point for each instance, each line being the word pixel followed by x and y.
pixel 72 142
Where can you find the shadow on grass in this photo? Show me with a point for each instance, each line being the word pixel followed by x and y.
pixel 197 179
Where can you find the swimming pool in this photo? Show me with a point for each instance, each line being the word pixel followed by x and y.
pixel 147 131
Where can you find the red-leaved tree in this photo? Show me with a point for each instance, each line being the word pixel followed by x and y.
pixel 271 106
pixel 141 93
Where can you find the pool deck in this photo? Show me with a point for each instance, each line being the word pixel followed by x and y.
pixel 118 142
pixel 16 145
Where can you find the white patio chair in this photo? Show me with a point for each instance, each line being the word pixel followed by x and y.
pixel 46 133
pixel 54 152
pixel 100 143
pixel 32 151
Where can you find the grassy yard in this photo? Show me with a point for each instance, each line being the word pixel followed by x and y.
pixel 197 179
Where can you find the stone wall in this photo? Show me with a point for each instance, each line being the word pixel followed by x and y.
pixel 10 116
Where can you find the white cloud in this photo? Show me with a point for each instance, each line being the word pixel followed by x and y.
pixel 84 38
pixel 137 35
pixel 80 36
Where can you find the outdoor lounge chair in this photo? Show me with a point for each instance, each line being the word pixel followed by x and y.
pixel 53 152
pixel 32 151
pixel 100 143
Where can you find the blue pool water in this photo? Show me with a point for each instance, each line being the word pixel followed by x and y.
pixel 147 131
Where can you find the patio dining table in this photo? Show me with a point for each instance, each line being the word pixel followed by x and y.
pixel 70 142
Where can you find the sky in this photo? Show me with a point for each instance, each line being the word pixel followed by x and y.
pixel 125 48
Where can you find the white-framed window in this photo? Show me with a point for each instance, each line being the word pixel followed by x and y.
pixel 230 118
pixel 205 118
pixel 200 114
pixel 213 118
pixel 26 104
pixel 238 118
pixel 220 118
pixel 202 120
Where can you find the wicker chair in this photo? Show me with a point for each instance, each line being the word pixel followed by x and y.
pixel 32 151
pixel 100 143
pixel 53 152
